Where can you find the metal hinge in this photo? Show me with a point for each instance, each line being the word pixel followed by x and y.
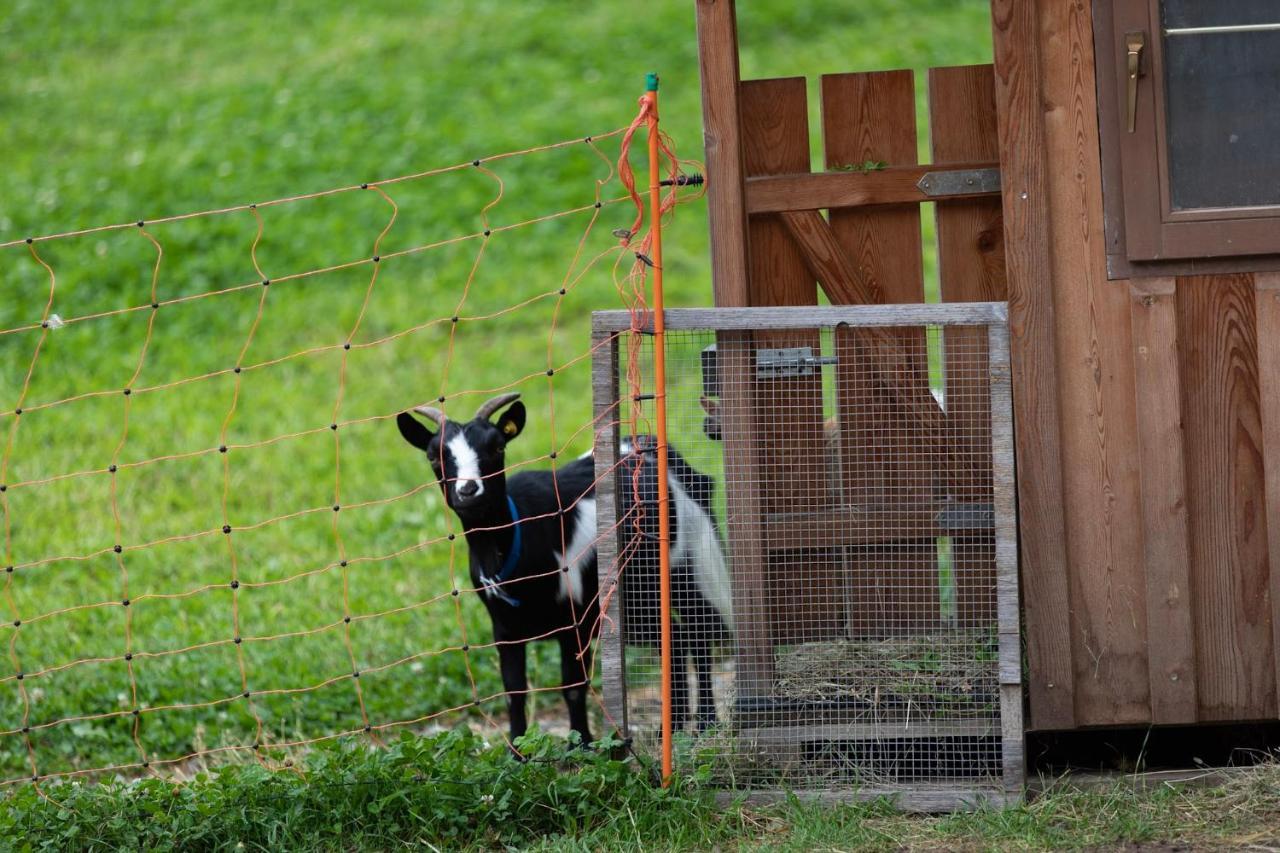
pixel 959 182
pixel 791 361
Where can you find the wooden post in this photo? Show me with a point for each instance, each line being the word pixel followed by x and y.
pixel 726 189
pixel 607 415
pixel 1020 119
pixel 727 215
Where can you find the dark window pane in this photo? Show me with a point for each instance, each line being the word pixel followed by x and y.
pixel 1215 13
pixel 1223 109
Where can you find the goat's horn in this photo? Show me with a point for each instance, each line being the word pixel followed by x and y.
pixel 488 407
pixel 435 415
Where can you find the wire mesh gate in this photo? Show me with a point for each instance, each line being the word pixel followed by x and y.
pixel 857 464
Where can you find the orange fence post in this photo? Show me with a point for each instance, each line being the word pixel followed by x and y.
pixel 660 401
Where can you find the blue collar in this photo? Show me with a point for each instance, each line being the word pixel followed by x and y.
pixel 513 556
pixel 509 565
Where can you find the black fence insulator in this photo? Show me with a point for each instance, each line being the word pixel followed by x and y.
pixel 693 180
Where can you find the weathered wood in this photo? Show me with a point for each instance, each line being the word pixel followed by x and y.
pixel 1171 655
pixel 605 417
pixel 1101 499
pixel 814 316
pixel 893 185
pixel 920 799
pixel 788 410
pixel 1005 554
pixel 962 122
pixel 1267 300
pixel 726 196
pixel 1019 109
pixel 1218 366
pixel 794 736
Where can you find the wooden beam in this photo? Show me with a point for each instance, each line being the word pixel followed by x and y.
pixel 827 259
pixel 1032 339
pixel 722 135
pixel 820 190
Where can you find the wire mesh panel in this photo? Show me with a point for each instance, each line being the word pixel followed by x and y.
pixel 842 550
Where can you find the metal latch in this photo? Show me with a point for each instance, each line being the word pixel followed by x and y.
pixel 959 182
pixel 791 361
pixel 976 516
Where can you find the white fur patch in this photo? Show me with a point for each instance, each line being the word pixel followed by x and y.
pixel 697 542
pixel 581 548
pixel 466 462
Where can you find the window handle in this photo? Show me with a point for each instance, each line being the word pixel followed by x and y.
pixel 1134 43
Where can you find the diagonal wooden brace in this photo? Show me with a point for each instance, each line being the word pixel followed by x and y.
pixel 840 280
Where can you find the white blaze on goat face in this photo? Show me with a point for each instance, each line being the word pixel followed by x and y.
pixel 466 464
pixel 581 550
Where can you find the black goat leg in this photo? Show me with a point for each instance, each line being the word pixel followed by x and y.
pixel 573 678
pixel 515 682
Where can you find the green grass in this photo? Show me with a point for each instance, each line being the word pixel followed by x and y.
pixel 115 112
pixel 453 792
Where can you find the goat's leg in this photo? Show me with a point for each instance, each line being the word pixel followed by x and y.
pixel 515 682
pixel 573 680
pixel 679 676
pixel 706 714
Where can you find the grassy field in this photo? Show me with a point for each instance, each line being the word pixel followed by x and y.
pixel 125 111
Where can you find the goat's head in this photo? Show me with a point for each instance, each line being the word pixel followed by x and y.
pixel 468 458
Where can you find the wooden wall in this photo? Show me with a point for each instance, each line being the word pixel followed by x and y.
pixel 1148 417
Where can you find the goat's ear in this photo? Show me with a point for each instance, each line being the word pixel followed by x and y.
pixel 511 421
pixel 414 431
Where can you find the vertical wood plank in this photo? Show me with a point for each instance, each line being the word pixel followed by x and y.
pixel 1032 344
pixel 788 411
pixel 1170 637
pixel 962 121
pixel 872 116
pixel 885 456
pixel 726 201
pixel 1230 564
pixel 1101 499
pixel 1267 299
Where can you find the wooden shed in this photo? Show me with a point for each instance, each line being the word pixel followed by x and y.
pixel 1134 230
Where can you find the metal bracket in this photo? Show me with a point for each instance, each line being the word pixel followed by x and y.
pixel 959 182
pixel 792 361
pixel 977 516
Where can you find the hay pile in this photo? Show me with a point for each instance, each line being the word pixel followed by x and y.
pixel 943 674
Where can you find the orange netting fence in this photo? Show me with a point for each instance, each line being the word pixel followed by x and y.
pixel 215 544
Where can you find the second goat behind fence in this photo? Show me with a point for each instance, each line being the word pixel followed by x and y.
pixel 531 546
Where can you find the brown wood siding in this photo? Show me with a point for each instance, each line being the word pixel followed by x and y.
pixel 1096 380
pixel 1168 431
pixel 1230 576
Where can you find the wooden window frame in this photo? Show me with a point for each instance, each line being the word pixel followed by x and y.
pixel 1144 235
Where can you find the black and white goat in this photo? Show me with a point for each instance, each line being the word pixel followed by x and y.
pixel 531 541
